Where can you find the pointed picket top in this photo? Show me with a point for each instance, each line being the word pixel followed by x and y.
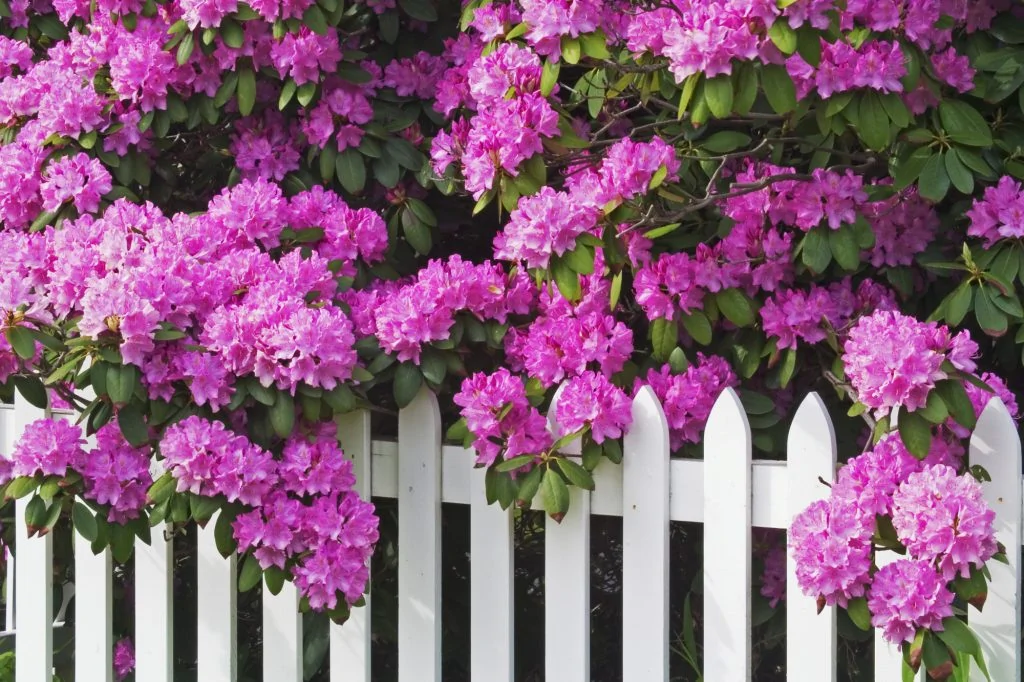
pixel 728 504
pixel 810 459
pixel 567 577
pixel 419 539
pixel 995 445
pixel 645 541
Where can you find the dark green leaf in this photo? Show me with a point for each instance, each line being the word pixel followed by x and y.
pixel 934 181
pixel 844 248
pixel 250 575
pixel 419 9
pixel 576 474
pixel 84 521
pixel 32 390
pixel 736 307
pixel 859 613
pixel 408 380
pixel 664 337
pixel 556 494
pixel 282 414
pixel 351 171
pixel 783 36
pixel 21 341
pixel 529 484
pixel 133 425
pixel 959 175
pixel 778 88
pixel 873 121
pixel 991 319
pixel 718 93
pixel 566 279
pixel 816 252
pixel 964 124
pixel 697 326
pixel 246 92
pixel 916 433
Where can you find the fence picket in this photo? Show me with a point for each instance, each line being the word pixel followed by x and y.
pixel 995 445
pixel 810 456
pixel 645 555
pixel 94 638
pixel 491 583
pixel 728 502
pixel 419 540
pixel 350 644
pixel 33 563
pixel 216 652
pixel 154 622
pixel 282 635
pixel 567 580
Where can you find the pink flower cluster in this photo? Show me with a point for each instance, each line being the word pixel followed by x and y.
pixel 565 340
pixel 876 65
pixel 544 224
pixel 999 214
pixel 124 658
pixel 501 418
pixel 904 225
pixel 115 474
pixel 939 517
pixel 892 359
pixel 687 398
pixel 303 515
pixel 808 315
pixel 590 400
pixel 406 317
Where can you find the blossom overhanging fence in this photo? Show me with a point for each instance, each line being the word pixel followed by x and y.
pixel 728 492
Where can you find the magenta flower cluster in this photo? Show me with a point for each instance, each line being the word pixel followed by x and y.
pixel 301 512
pixel 999 214
pixel 894 360
pixel 939 517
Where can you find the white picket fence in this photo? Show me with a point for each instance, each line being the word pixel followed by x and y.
pixel 728 492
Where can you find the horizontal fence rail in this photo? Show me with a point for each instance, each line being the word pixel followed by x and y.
pixel 729 492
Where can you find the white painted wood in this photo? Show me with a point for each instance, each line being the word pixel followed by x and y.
pixel 687 475
pixel 727 541
pixel 492 653
pixel 94 637
pixel 350 644
pixel 645 545
pixel 810 455
pixel 217 659
pixel 282 635
pixel 995 445
pixel 419 540
pixel 9 588
pixel 567 580
pixel 34 565
pixel 154 621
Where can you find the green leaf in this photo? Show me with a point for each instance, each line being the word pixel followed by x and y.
pixel 231 33
pixel 697 326
pixel 957 401
pixel 549 76
pixel 408 380
pixel 725 141
pixel 664 337
pixel 246 92
pixel 250 575
pixel 422 10
pixel 566 279
pixel 783 36
pixel 580 259
pixel 21 341
pixel 934 181
pixel 433 366
pixel 32 390
pixel 84 521
pixel 906 170
pixel 736 307
pixel 958 173
pixel 616 291
pixel 960 638
pixel 133 425
pixel 282 414
pixel 935 410
pixel 576 474
pixel 858 611
pixel 122 542
pixel 964 124
pixel 687 92
pixel 305 93
pixel 404 153
pixel 121 381
pixel 162 488
pixel 718 94
pixel 873 121
pixel 595 45
pixel 556 494
pixel 386 171
pixel 351 171
pixel 991 319
pixel 514 463
pixel 185 48
pixel 314 18
pixel 571 50
pixel 202 508
pixel 677 361
pixel 958 303
pixel 844 248
pixel 788 367
pixel 778 88
pixel 915 432
pixel 416 233
pixel 816 253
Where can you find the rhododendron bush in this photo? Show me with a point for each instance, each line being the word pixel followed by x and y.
pixel 225 223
